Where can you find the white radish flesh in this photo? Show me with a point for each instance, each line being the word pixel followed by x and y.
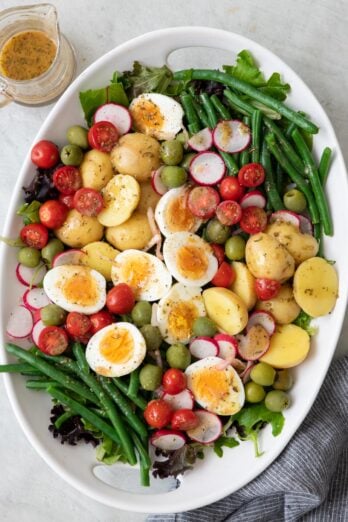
pixel 69 257
pixel 168 440
pixel 201 347
pixel 306 226
pixel 287 216
pixel 201 141
pixel 37 329
pixel 264 319
pixel 182 400
pixel 157 183
pixel 253 199
pixel 231 136
pixel 116 114
pixel 227 346
pixel 30 276
pixel 20 323
pixel 35 299
pixel 254 344
pixel 208 429
pixel 207 168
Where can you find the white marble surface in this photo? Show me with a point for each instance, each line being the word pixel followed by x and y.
pixel 310 35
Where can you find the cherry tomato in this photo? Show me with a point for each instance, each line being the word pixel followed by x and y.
pixel 53 213
pixel 67 200
pixel 78 325
pixel 173 381
pixel 34 235
pixel 45 154
pixel 224 276
pixel 266 288
pixel 229 212
pixel 99 320
pixel 88 202
pixel 254 220
pixel 251 175
pixel 158 413
pixel 67 180
pixel 184 420
pixel 53 340
pixel 230 188
pixel 103 136
pixel 120 299
pixel 219 252
pixel 202 202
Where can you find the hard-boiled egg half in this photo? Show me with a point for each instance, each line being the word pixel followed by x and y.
pixel 76 288
pixel 216 390
pixel 189 259
pixel 116 350
pixel 157 115
pixel 144 273
pixel 173 215
pixel 177 311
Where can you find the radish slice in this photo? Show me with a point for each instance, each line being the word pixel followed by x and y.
pixel 30 276
pixel 69 257
pixel 36 315
pixel 245 375
pixel 228 346
pixel 156 182
pixel 306 226
pixel 231 136
pixel 254 344
pixel 181 400
pixel 253 199
pixel 35 299
pixel 208 429
pixel 201 141
pixel 115 114
pixel 168 440
pixel 207 168
pixel 20 323
pixel 202 347
pixel 263 318
pixel 37 329
pixel 287 216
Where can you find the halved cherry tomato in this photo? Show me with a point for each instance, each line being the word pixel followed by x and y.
pixel 120 299
pixel 67 180
pixel 173 381
pixel 251 175
pixel 53 213
pixel 229 212
pixel 184 420
pixel 67 200
pixel 219 252
pixel 99 320
pixel 34 235
pixel 78 325
pixel 158 413
pixel 266 288
pixel 45 154
pixel 103 136
pixel 53 340
pixel 224 276
pixel 202 202
pixel 88 202
pixel 230 188
pixel 254 220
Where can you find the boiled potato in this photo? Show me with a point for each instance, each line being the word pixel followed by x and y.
pixel 148 198
pixel 121 196
pixel 96 169
pixel 289 347
pixel 100 256
pixel 78 230
pixel 283 306
pixel 137 155
pixel 266 257
pixel 301 246
pixel 134 233
pixel 316 286
pixel 226 309
pixel 244 284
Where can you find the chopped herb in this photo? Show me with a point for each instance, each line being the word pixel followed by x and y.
pixel 303 320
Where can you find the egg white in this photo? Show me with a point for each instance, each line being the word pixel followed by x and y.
pixel 168 225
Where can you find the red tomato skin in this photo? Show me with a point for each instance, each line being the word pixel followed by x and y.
pixel 230 188
pixel 266 288
pixel 45 154
pixel 103 136
pixel 251 175
pixel 120 299
pixel 229 212
pixel 225 275
pixel 173 381
pixel 99 320
pixel 158 413
pixel 78 325
pixel 67 180
pixel 254 220
pixel 88 202
pixel 202 202
pixel 53 213
pixel 34 235
pixel 219 252
pixel 184 420
pixel 68 200
pixel 53 340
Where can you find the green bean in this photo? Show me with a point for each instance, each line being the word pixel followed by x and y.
pixel 289 150
pixel 145 462
pixel 220 107
pixel 324 165
pixel 192 128
pixel 318 234
pixel 256 122
pixel 63 418
pixel 277 152
pixel 16 368
pixel 279 178
pixel 200 113
pixel 289 130
pixel 271 189
pixel 133 386
pixel 244 155
pixel 121 385
pixel 237 104
pixel 80 357
pixel 315 182
pixel 190 113
pixel 34 384
pixel 253 92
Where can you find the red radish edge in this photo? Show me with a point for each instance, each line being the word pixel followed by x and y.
pixel 231 136
pixel 182 400
pixel 263 318
pixel 168 440
pixel 30 276
pixel 207 168
pixel 202 140
pixel 306 226
pixel 156 182
pixel 286 215
pixel 251 347
pixel 37 329
pixel 35 298
pixel 20 323
pixel 116 114
pixel 245 375
pixel 69 257
pixel 208 429
pixel 253 198
pixel 228 346
pixel 202 347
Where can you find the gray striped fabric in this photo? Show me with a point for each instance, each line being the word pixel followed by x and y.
pixel 308 482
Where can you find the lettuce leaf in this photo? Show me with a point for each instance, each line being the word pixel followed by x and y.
pixel 30 212
pixel 228 442
pixel 92 98
pixel 146 79
pixel 178 461
pixel 304 320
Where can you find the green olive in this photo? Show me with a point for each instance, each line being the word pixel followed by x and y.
pixel 263 374
pixel 187 160
pixel 77 135
pixel 53 247
pixel 216 232
pixel 204 326
pixel 295 200
pixel 254 392
pixel 235 248
pixel 28 256
pixel 283 380
pixel 171 152
pixel 152 336
pixel 277 400
pixel 150 377
pixel 53 315
pixel 141 313
pixel 178 356
pixel 173 177
pixel 71 155
pixel 182 138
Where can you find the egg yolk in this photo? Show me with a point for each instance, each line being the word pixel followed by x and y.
pixel 180 319
pixel 214 388
pixel 178 216
pixel 117 346
pixel 80 288
pixel 192 261
pixel 147 116
pixel 136 272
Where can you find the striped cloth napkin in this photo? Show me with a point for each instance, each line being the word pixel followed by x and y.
pixel 308 482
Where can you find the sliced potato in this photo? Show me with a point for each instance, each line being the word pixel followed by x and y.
pixel 100 256
pixel 137 155
pixel 244 284
pixel 78 230
pixel 266 257
pixel 301 246
pixel 148 198
pixel 96 169
pixel 283 307
pixel 226 309
pixel 316 286
pixel 289 347
pixel 121 196
pixel 133 233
